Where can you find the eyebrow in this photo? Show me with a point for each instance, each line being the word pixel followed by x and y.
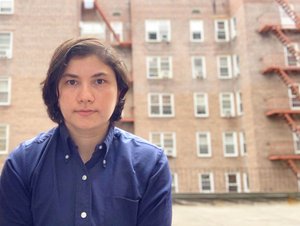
pixel 100 74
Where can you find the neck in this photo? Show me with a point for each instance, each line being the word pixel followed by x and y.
pixel 86 140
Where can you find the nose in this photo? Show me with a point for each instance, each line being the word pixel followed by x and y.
pixel 85 94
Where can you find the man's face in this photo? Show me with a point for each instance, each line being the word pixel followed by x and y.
pixel 88 94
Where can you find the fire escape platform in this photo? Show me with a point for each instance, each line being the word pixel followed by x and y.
pixel 284 157
pixel 280 112
pixel 272 27
pixel 275 69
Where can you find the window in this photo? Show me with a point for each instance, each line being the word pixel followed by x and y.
pixel 236 65
pixel 286 20
pixel 233 28
pixel 294 101
pixel 166 141
pixel 224 67
pixel 117 26
pixel 6 6
pixel 201 104
pixel 206 182
pixel 243 146
pixel 196 31
pixel 5 90
pixel 239 103
pixel 230 144
pixel 159 67
pixel 227 105
pixel 5 45
pixel 161 105
pixel 296 139
pixel 290 59
pixel 94 29
pixel 198 67
pixel 158 30
pixel 174 182
pixel 233 182
pixel 203 144
pixel 246 182
pixel 4 131
pixel 221 31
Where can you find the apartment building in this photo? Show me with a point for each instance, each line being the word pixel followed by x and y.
pixel 213 82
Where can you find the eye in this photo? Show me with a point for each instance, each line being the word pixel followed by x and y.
pixel 71 82
pixel 99 81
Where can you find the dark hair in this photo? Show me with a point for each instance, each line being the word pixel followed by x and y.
pixel 81 47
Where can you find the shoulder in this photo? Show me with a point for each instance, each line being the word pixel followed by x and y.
pixel 28 154
pixel 139 151
pixel 136 144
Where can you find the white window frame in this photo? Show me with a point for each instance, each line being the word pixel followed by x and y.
pixel 227 113
pixel 8 80
pixel 117 26
pixel 169 151
pixel 6 7
pixel 243 144
pixel 156 27
pixel 210 181
pixel 208 144
pixel 227 67
pixel 218 30
pixel 296 142
pixel 239 103
pixel 196 73
pixel 203 97
pixel 95 29
pixel 237 184
pixel 236 65
pixel 174 182
pixel 160 105
pixel 6 51
pixel 5 137
pixel 196 26
pixel 246 184
pixel 288 55
pixel 160 60
pixel 293 99
pixel 233 27
pixel 234 143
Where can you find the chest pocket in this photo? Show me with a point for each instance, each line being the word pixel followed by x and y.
pixel 120 211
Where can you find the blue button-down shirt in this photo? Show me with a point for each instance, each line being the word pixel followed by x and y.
pixel 127 182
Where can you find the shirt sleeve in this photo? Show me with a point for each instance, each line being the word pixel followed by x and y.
pixel 14 197
pixel 156 204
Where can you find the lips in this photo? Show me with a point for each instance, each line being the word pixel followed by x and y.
pixel 85 112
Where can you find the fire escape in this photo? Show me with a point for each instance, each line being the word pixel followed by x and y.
pixel 284 73
pixel 95 6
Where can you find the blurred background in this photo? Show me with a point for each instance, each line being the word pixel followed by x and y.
pixel 213 82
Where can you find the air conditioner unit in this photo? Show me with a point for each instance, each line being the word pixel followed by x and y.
pixel 164 74
pixel 199 76
pixel 88 4
pixel 4 54
pixel 228 114
pixel 164 38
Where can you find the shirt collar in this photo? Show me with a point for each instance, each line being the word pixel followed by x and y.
pixel 70 145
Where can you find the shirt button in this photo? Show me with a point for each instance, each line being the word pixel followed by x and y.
pixel 100 147
pixel 67 157
pixel 84 177
pixel 83 215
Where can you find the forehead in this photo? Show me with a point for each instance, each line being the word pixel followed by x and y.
pixel 88 64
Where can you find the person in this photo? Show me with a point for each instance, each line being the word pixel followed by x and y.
pixel 85 171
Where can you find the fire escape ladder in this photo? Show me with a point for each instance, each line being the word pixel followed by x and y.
pixel 285 41
pixel 286 7
pixel 291 122
pixel 115 35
